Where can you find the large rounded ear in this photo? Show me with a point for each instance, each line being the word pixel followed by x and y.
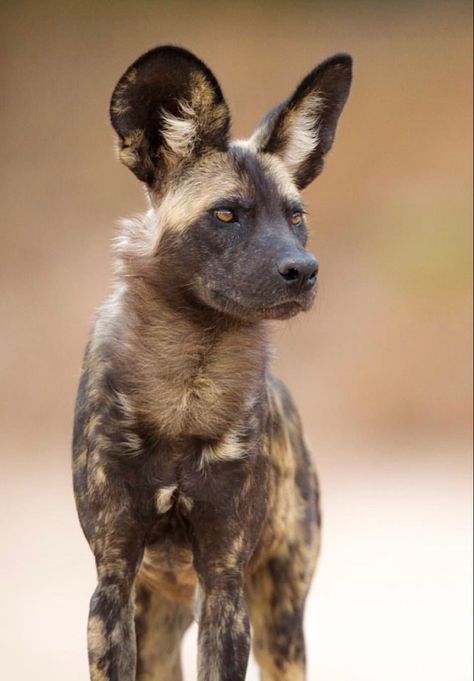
pixel 301 130
pixel 167 107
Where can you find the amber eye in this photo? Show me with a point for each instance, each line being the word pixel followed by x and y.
pixel 296 218
pixel 225 215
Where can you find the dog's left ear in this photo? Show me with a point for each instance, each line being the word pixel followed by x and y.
pixel 301 130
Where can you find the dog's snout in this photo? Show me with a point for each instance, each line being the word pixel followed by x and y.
pixel 299 272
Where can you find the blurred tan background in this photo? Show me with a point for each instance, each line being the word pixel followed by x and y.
pixel 381 368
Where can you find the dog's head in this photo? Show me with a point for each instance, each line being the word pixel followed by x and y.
pixel 227 225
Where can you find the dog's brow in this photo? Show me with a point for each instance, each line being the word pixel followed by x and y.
pixel 232 201
pixel 291 204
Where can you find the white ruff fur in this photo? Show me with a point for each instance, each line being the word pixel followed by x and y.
pixel 139 235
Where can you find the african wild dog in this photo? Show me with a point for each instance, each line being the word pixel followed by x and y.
pixel 193 484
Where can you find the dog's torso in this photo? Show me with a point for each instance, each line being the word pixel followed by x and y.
pixel 142 438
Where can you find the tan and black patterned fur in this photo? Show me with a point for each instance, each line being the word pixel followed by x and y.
pixel 193 484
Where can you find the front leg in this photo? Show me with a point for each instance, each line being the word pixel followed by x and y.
pixel 226 520
pixel 111 630
pixel 224 629
pixel 107 515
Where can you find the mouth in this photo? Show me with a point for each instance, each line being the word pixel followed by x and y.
pixel 278 310
pixel 282 310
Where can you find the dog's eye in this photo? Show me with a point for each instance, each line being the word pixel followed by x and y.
pixel 296 218
pixel 225 215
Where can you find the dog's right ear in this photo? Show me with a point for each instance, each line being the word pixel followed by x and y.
pixel 166 108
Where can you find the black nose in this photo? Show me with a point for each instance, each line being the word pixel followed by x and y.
pixel 299 272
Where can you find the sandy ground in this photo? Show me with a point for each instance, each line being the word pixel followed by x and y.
pixel 391 600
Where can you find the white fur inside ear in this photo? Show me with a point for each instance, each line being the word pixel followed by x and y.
pixel 180 132
pixel 301 133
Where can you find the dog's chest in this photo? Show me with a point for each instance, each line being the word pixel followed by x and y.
pixel 171 477
pixel 198 388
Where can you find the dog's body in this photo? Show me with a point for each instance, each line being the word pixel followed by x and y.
pixel 192 480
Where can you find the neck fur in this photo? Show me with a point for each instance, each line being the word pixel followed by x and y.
pixel 187 373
